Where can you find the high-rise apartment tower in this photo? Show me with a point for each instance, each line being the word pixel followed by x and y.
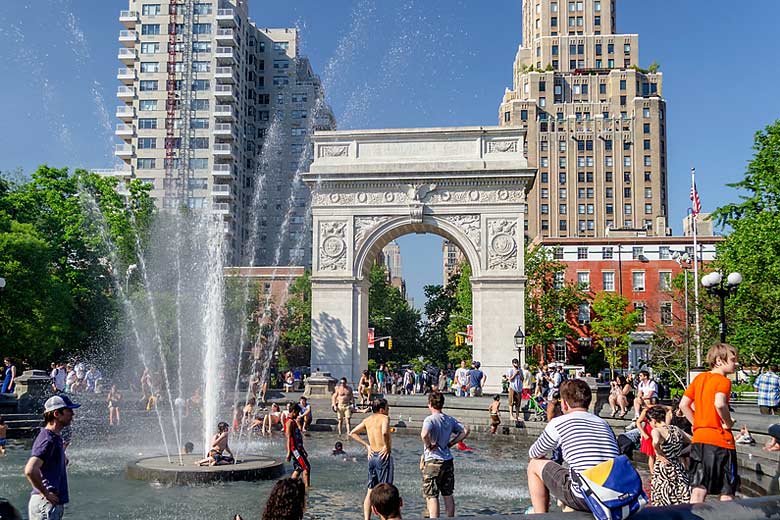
pixel 595 120
pixel 204 89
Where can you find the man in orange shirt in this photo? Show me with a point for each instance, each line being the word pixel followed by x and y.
pixel 713 467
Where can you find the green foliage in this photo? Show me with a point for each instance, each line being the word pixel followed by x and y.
pixel 60 301
pixel 440 304
pixel 668 357
pixel 296 323
pixel 460 316
pixel 654 67
pixel 613 320
pixel 753 249
pixel 547 303
pixel 391 315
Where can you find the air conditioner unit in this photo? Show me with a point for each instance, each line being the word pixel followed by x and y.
pixel 583 322
pixel 639 288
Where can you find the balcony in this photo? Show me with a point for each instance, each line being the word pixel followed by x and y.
pixel 124 151
pixel 224 130
pixel 125 131
pixel 226 18
pixel 224 92
pixel 222 170
pixel 227 228
pixel 125 92
pixel 220 208
pixel 128 38
pixel 128 18
pixel 225 75
pixel 222 190
pixel 125 113
pixel 226 37
pixel 224 150
pixel 224 112
pixel 225 54
pixel 126 56
pixel 126 75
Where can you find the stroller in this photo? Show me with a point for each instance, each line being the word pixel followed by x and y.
pixel 538 407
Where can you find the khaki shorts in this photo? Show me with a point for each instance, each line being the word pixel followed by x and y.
pixel 344 411
pixel 438 478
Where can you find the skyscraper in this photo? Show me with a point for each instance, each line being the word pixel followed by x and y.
pixel 595 120
pixel 203 90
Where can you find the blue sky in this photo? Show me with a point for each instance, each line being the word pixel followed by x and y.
pixel 407 63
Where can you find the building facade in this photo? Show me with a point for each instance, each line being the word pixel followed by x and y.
pixel 205 94
pixel 596 122
pixel 641 269
pixel 452 257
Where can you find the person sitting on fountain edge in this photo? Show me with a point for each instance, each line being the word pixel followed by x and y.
pixel 219 445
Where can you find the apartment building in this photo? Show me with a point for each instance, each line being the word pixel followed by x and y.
pixel 203 89
pixel 595 120
pixel 452 257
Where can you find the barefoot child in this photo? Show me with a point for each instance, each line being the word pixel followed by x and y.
pixel 219 446
pixel 495 418
pixel 3 440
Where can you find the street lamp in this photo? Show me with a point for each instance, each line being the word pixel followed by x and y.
pixel 684 260
pixel 2 283
pixel 717 286
pixel 520 344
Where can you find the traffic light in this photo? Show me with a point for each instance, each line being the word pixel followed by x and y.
pixel 458 340
pixel 389 343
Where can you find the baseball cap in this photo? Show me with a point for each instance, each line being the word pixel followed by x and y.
pixel 58 402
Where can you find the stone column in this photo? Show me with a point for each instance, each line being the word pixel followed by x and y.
pixel 498 310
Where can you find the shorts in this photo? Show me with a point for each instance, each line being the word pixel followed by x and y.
pixel 380 471
pixel 515 399
pixel 768 410
pixel 344 411
pixel 300 461
pixel 38 508
pixel 495 420
pixel 219 457
pixel 438 478
pixel 558 480
pixel 714 469
pixel 3 442
pixel 475 391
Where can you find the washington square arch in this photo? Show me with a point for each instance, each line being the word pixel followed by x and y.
pixel 368 187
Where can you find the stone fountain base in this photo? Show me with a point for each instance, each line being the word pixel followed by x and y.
pixel 251 468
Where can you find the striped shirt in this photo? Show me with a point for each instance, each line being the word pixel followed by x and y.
pixel 586 440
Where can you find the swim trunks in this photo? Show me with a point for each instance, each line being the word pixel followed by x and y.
pixel 380 471
pixel 344 411
pixel 300 461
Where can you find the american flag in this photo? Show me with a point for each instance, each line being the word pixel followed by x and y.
pixel 696 201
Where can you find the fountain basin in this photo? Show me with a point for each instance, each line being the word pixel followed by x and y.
pixel 249 468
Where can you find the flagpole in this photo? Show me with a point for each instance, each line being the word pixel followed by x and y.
pixel 694 226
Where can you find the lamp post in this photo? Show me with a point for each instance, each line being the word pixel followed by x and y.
pixel 716 285
pixel 684 260
pixel 520 345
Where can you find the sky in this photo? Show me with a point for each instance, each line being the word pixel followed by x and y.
pixel 407 63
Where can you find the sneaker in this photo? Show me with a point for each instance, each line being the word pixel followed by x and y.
pixel 746 439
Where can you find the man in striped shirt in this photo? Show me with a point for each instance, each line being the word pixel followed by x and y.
pixel 586 441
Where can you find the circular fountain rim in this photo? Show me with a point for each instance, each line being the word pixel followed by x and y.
pixel 249 468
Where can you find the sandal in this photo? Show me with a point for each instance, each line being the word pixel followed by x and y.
pixel 623 414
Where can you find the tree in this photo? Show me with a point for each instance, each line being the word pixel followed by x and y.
pixel 440 304
pixel 612 324
pixel 753 249
pixel 549 299
pixel 460 316
pixel 667 356
pixel 296 335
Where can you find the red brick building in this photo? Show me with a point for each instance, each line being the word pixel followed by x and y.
pixel 641 269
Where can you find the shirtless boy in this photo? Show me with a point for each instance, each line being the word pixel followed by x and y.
pixel 493 409
pixel 341 402
pixel 379 446
pixel 3 432
pixel 219 446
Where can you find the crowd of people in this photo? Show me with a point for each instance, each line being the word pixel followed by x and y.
pixel 689 446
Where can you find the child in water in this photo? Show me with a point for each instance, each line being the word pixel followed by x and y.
pixel 219 446
pixel 495 418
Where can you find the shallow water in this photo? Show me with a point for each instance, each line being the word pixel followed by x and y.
pixel 489 480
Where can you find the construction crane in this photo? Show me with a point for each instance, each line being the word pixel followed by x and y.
pixel 178 170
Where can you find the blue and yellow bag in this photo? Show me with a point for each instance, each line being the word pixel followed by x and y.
pixel 612 489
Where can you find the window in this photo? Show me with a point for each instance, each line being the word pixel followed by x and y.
pixel 626 209
pixel 558 280
pixel 627 192
pixel 607 176
pixel 648 161
pixel 148 29
pixel 646 144
pixel 200 84
pixel 610 48
pixel 648 209
pixel 560 350
pixel 627 48
pixel 610 63
pixel 150 66
pixel 636 252
pixel 201 28
pixel 199 143
pixel 554 7
pixel 199 104
pixel 664 253
pixel 562 191
pixel 146 85
pixel 608 160
pixel 199 163
pixel 597 20
pixel 199 123
pixel 507 117
pixel 598 49
pixel 638 280
pixel 622 84
pixel 544 162
pixel 524 115
pixel 562 164
pixel 606 252
pixel 201 47
pixel 554 50
pixel 150 9
pixel 150 48
pixel 561 209
pixel 665 280
pixel 201 8
pixel 198 184
pixel 146 143
pixel 561 146
pixel 582 253
pixel 608 280
pixel 646 128
pixel 147 104
pixel 583 309
pixel 544 192
pixel 545 177
pixel 281 80
pixel 147 124
pixel 645 112
pixel 544 208
pixel 562 225
pixel 281 46
pixel 146 164
pixel 542 102
pixel 627 160
pixel 641 312
pixel 647 176
pixel 666 313
pixel 558 255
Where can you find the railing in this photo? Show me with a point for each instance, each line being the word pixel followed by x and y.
pixel 222 148
pixel 128 35
pixel 225 32
pixel 125 72
pixel 125 110
pixel 220 207
pixel 128 14
pixel 223 89
pixel 123 149
pixel 125 91
pixel 223 127
pixel 222 13
pixel 223 168
pixel 126 53
pixel 124 129
pixel 221 188
pixel 223 110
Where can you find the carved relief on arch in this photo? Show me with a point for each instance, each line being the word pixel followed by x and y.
pixel 502 244
pixel 333 245
pixel 364 226
pixel 469 224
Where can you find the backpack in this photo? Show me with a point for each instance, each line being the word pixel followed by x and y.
pixel 612 489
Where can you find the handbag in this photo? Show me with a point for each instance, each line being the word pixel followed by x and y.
pixel 612 489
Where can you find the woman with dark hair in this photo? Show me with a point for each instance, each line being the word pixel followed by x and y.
pixel 669 484
pixel 10 375
pixel 618 396
pixel 287 500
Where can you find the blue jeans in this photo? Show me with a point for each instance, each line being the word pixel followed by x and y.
pixel 41 509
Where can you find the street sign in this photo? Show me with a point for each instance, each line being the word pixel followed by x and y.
pixel 469 334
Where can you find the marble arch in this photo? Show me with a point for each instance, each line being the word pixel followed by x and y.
pixel 467 184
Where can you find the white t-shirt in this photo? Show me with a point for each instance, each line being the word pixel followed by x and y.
pixel 462 376
pixel 516 382
pixel 58 376
pixel 648 387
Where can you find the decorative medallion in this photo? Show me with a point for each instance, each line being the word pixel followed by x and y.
pixel 362 197
pixel 334 198
pixel 503 194
pixel 333 246
pixel 389 196
pixel 474 195
pixel 502 245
